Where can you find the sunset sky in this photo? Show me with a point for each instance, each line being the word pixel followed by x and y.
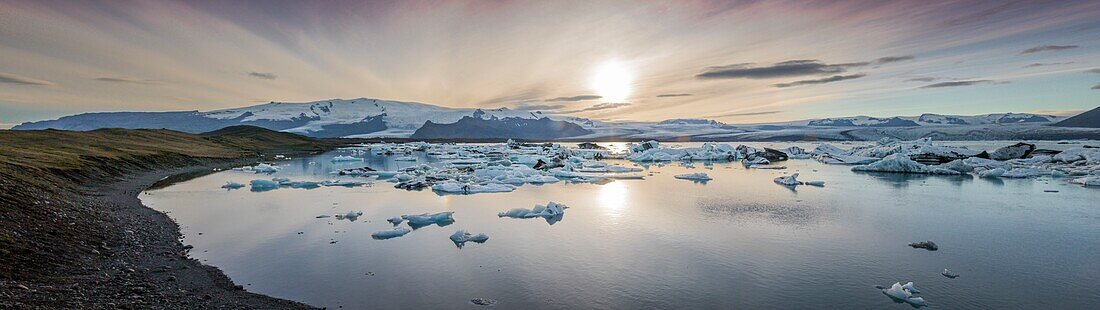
pixel 733 61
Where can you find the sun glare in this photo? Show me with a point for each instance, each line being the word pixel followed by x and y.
pixel 612 81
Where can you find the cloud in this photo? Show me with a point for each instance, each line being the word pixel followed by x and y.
pixel 673 95
pixel 1096 87
pixel 1045 48
pixel 263 75
pixel 1043 64
pixel 890 59
pixel 782 69
pixel 1058 112
pixel 979 16
pixel 1097 71
pixel 958 83
pixel 835 78
pixel 600 106
pixel 126 80
pixel 539 107
pixel 922 79
pixel 574 98
pixel 11 78
pixel 747 113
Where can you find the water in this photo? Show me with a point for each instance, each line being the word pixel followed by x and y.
pixel 738 241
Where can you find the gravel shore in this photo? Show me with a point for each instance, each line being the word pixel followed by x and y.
pixel 142 264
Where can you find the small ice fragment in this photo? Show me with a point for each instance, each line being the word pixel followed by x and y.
pixel 393 233
pixel 323 216
pixel 483 301
pixel 904 293
pixel 351 215
pixel 264 168
pixel 232 185
pixel 909 287
pixel 790 180
pixel 814 183
pixel 345 158
pixel 949 274
pixel 461 237
pixel 699 176
pixel 396 220
pixel 927 245
pixel 552 212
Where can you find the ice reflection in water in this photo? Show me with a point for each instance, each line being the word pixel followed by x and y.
pixel 739 241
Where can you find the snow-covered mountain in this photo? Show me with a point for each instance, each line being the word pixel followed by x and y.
pixel 365 117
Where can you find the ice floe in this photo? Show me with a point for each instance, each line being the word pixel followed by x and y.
pixel 232 185
pixel 351 215
pixel 345 158
pixel 552 212
pixel 420 220
pixel 461 237
pixel 1087 181
pixel 927 245
pixel 949 274
pixel 392 233
pixel 790 180
pixel 901 163
pixel 260 185
pixel 905 293
pixel 699 176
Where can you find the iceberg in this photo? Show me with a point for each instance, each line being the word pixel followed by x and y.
pixel 393 233
pixel 396 220
pixel 927 245
pixel 344 183
pixel 699 176
pixel 461 237
pixel 900 163
pixel 949 274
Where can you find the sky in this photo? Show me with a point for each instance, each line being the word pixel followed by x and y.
pixel 732 61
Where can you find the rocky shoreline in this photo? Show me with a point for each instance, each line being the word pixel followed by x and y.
pixel 143 264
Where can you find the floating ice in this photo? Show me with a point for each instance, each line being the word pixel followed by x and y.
pixel 904 293
pixel 699 176
pixel 396 220
pixel 991 173
pixel 351 215
pixel 790 180
pixel 1087 181
pixel 927 245
pixel 345 158
pixel 405 158
pixel 1024 173
pixel 260 185
pixel 425 219
pixel 471 188
pixel 393 233
pixel 949 274
pixel 265 168
pixel 461 237
pixel 814 183
pixel 552 212
pixel 232 185
pixel 900 163
pixel 344 183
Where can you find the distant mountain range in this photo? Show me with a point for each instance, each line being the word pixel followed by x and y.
pixel 366 117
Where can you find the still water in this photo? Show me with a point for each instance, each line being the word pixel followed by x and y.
pixel 738 241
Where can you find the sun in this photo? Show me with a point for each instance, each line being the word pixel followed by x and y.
pixel 612 80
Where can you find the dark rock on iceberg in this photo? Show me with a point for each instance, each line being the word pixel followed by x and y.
pixel 1015 151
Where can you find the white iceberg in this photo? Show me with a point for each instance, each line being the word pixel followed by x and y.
pixel 699 176
pixel 392 233
pixel 904 293
pixel 345 158
pixel 461 237
pixel 351 215
pixel 396 220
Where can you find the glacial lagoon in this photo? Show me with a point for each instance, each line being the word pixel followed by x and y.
pixel 738 240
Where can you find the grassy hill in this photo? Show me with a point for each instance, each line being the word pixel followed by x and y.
pixel 50 220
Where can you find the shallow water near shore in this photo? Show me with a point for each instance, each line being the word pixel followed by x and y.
pixel 737 241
